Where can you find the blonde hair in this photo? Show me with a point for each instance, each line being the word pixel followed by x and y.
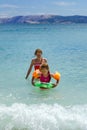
pixel 44 66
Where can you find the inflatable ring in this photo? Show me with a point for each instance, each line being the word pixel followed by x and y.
pixel 43 85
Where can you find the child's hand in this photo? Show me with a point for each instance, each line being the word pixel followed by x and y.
pixel 26 77
pixel 32 83
pixel 54 85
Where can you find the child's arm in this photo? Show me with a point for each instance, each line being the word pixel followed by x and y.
pixel 32 81
pixel 29 70
pixel 54 85
pixel 33 78
pixel 57 81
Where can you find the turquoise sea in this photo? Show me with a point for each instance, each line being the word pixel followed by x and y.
pixel 24 107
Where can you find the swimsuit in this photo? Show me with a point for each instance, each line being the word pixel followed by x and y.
pixel 37 64
pixel 45 79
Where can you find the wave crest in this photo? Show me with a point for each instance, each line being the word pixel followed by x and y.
pixel 43 117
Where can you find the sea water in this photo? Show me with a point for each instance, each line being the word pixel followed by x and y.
pixel 24 107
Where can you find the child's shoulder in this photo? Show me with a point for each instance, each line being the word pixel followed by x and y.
pixel 44 59
pixel 33 60
pixel 51 74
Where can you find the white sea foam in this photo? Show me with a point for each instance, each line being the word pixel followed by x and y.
pixel 43 117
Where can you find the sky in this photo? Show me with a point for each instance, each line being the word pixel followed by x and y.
pixel 9 8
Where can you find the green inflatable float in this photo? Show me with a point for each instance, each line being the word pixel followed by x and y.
pixel 43 85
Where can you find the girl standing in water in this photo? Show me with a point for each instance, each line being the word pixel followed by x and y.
pixel 36 62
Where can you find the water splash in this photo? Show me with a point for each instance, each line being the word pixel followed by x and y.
pixel 43 117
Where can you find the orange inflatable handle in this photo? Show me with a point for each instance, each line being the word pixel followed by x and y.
pixel 56 76
pixel 36 74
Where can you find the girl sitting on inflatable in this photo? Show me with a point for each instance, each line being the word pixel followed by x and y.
pixel 44 75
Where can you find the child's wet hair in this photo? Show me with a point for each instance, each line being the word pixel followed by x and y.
pixel 44 66
pixel 38 50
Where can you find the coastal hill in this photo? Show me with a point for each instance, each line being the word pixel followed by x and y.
pixel 44 19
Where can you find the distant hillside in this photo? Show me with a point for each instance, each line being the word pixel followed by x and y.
pixel 44 19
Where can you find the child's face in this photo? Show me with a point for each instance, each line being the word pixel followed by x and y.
pixel 44 71
pixel 39 54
